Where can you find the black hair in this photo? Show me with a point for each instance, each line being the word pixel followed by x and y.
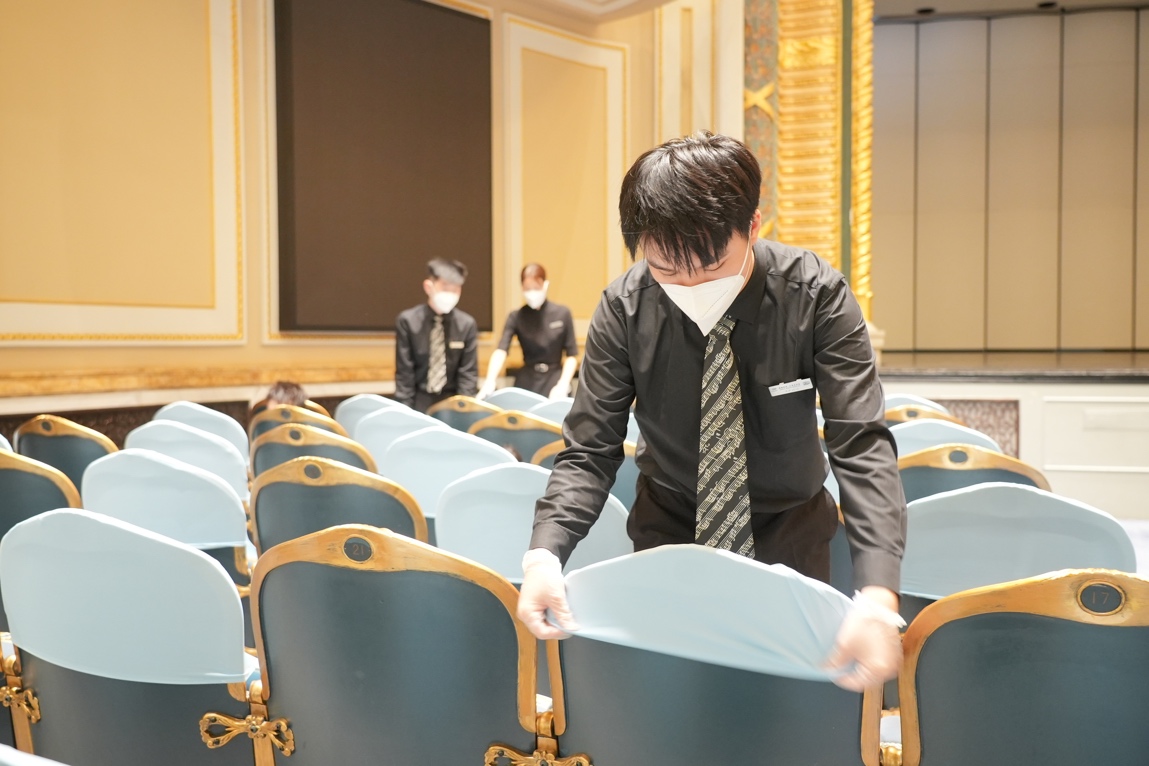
pixel 533 271
pixel 287 392
pixel 688 197
pixel 451 272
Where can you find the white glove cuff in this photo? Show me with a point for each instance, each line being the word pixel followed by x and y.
pixel 540 558
pixel 876 612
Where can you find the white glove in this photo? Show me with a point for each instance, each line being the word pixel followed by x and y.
pixel 543 588
pixel 560 390
pixel 486 390
pixel 868 638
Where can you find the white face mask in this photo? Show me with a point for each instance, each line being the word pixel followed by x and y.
pixel 536 298
pixel 706 303
pixel 444 301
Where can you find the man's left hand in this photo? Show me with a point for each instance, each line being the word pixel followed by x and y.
pixel 869 639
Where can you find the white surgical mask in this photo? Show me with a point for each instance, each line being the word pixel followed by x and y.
pixel 706 303
pixel 536 298
pixel 444 301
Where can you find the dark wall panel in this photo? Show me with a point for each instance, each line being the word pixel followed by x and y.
pixel 384 112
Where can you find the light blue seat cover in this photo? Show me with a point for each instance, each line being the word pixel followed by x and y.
pixel 487 516
pixel 512 398
pixel 10 756
pixel 714 606
pixel 350 411
pixel 426 461
pixel 376 431
pixel 554 410
pixel 917 435
pixel 206 419
pixel 899 400
pixel 192 445
pixel 100 596
pixel 996 532
pixel 4 444
pixel 166 496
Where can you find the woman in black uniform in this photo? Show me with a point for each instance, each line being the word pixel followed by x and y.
pixel 545 330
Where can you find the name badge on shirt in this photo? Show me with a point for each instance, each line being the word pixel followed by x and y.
pixel 460 344
pixel 788 388
pixel 556 324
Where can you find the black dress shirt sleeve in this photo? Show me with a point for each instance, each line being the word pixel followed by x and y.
pixel 509 330
pixel 467 377
pixel 404 362
pixel 861 448
pixel 594 431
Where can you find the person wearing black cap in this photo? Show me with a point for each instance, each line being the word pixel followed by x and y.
pixel 545 330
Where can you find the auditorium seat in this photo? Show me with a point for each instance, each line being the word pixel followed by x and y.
pixel 948 467
pixel 378 430
pixel 5 444
pixel 526 434
pixel 632 428
pixel 283 414
pixel 917 435
pixel 351 410
pixel 206 419
pixel 62 444
pixel 212 453
pixel 907 412
pixel 125 639
pixel 720 667
pixel 487 516
pixel 513 398
pixel 288 442
pixel 263 404
pixel 1053 670
pixel 308 494
pixel 381 649
pixel 29 488
pixel 10 756
pixel 554 410
pixel 461 412
pixel 625 481
pixel 901 400
pixel 425 462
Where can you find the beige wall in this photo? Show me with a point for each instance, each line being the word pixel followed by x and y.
pixel 1005 179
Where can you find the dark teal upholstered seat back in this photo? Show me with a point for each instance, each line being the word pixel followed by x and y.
pixel 284 511
pixel 263 426
pixel 1010 689
pixel 402 668
pixel 88 720
pixel 526 441
pixel 460 421
pixel 68 454
pixel 923 481
pixel 629 706
pixel 625 482
pixel 272 454
pixel 22 496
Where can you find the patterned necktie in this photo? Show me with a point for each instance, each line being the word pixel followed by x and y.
pixel 723 519
pixel 437 368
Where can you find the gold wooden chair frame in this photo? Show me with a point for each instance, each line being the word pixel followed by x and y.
pixel 516 420
pixel 629 449
pixel 54 425
pixel 1061 595
pixel 907 412
pixel 315 407
pixel 11 461
pixel 21 702
pixel 460 403
pixel 324 472
pixel 946 456
pixel 391 552
pixel 301 434
pixel 285 414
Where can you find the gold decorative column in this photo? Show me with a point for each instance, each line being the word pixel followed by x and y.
pixel 861 152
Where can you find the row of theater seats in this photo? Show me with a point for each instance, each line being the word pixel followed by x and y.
pixel 1114 552
pixel 377 649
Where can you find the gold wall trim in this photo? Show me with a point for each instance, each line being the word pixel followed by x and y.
pixel 861 154
pixel 810 126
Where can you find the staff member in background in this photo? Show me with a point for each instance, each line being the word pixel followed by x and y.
pixel 725 339
pixel 436 346
pixel 545 330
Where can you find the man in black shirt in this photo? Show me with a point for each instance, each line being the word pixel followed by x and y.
pixel 723 340
pixel 436 345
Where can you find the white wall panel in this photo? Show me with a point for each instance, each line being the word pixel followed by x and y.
pixel 1024 147
pixel 895 106
pixel 951 185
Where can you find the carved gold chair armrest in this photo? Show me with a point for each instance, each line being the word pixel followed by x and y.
pixel 268 735
pixel 546 749
pixel 22 702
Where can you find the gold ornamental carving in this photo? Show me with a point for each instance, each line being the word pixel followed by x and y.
pixel 540 757
pixel 277 731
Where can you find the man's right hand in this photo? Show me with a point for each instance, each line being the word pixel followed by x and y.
pixel 543 588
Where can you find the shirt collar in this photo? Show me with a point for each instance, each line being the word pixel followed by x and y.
pixel 748 303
